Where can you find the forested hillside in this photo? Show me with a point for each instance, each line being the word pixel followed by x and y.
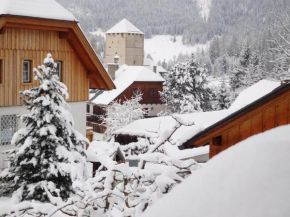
pixel 176 17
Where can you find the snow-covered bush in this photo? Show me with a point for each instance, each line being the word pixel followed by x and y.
pixel 119 114
pixel 49 153
pixel 185 89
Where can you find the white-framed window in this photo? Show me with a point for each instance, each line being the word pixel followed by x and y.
pixel 26 71
pixel 8 126
pixel 1 72
pixel 59 69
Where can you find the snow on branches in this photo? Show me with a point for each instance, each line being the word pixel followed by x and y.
pixel 119 114
pixel 49 153
pixel 185 89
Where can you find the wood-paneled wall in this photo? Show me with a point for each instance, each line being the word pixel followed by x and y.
pixel 17 45
pixel 144 87
pixel 273 113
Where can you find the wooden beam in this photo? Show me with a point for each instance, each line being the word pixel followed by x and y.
pixel 35 27
pixel 3 30
pixel 2 22
pixel 65 35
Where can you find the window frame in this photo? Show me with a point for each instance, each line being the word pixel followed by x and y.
pixel 30 61
pixel 1 71
pixel 14 128
pixel 61 69
pixel 154 95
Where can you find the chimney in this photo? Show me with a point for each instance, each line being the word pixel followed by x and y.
pixel 155 69
pixel 113 67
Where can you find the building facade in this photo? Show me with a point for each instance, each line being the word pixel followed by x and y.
pixel 26 37
pixel 126 41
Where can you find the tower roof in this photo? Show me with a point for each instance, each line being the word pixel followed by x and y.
pixel 124 26
pixel 47 9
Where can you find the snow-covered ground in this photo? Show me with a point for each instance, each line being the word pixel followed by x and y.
pixel 161 47
pixel 249 179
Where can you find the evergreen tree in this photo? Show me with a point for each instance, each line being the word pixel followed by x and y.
pixel 49 153
pixel 185 89
pixel 240 75
pixel 214 49
pixel 225 96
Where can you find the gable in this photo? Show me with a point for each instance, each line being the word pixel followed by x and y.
pixel 71 32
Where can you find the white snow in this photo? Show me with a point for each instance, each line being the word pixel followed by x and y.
pixel 124 26
pixel 48 9
pixel 154 127
pixel 161 47
pixel 99 31
pixel 173 152
pixel 205 6
pixel 125 76
pixel 249 179
pixel 253 93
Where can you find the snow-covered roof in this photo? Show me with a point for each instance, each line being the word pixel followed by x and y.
pixel 249 179
pixel 97 149
pixel 174 152
pixel 48 9
pixel 124 26
pixel 153 127
pixel 125 76
pixel 253 93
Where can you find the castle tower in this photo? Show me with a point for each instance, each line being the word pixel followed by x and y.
pixel 126 41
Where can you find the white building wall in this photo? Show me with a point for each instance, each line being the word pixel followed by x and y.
pixel 78 111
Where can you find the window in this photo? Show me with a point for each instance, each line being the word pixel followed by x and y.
pixel 217 141
pixel 59 69
pixel 8 126
pixel 26 71
pixel 1 72
pixel 152 92
pixel 133 163
pixel 88 108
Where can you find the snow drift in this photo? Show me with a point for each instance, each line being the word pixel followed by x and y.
pixel 249 179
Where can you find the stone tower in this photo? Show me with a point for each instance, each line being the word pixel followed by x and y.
pixel 126 41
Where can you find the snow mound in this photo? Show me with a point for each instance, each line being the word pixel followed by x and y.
pixel 249 179
pixel 48 9
pixel 253 93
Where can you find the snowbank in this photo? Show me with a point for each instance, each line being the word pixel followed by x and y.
pixel 253 93
pixel 249 179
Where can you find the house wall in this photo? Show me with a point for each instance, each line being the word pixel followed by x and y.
pixel 144 87
pixel 78 111
pixel 129 47
pixel 271 114
pixel 17 45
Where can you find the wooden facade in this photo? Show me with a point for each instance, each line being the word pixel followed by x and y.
pixel 270 111
pixel 145 88
pixel 31 39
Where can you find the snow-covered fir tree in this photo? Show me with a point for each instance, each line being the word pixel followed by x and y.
pixel 119 114
pixel 185 89
pixel 225 95
pixel 240 72
pixel 256 71
pixel 49 153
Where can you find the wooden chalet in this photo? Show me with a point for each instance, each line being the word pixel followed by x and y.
pixel 270 111
pixel 29 30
